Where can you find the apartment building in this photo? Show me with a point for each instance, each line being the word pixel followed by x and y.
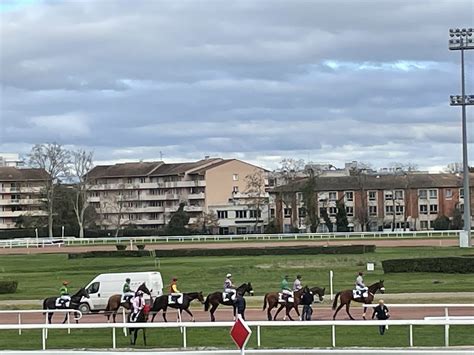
pixel 146 194
pixel 20 194
pixel 10 160
pixel 379 202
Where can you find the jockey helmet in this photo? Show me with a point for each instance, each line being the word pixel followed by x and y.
pixel 361 273
pixel 229 275
pixel 298 276
pixel 127 279
pixel 175 279
pixel 65 283
pixel 286 276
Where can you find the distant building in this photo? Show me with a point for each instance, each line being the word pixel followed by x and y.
pixel 146 194
pixel 20 194
pixel 10 160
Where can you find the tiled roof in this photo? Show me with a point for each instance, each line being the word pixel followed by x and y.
pixel 15 174
pixel 181 168
pixel 124 169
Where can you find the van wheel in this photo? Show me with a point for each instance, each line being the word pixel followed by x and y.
pixel 84 308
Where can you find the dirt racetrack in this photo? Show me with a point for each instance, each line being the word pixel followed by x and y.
pixel 437 242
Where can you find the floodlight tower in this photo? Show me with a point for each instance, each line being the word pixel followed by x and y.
pixel 461 39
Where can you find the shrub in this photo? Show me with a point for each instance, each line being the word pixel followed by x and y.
pixel 8 286
pixel 450 265
pixel 109 254
pixel 141 246
pixel 441 223
pixel 121 246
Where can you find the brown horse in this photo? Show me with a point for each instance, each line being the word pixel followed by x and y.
pixel 272 299
pixel 347 296
pixel 213 300
pixel 161 303
pixel 114 302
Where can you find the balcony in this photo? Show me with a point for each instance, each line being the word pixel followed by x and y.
pixel 142 222
pixel 193 208
pixel 186 183
pixel 199 196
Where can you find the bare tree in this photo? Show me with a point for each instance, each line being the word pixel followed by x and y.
pixel 112 209
pixel 55 159
pixel 255 190
pixel 81 165
pixel 206 222
pixel 290 168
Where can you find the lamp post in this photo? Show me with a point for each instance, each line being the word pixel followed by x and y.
pixel 461 39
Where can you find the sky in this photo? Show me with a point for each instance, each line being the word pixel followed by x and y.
pixel 324 81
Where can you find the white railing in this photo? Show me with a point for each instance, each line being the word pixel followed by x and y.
pixel 446 306
pixel 258 324
pixel 32 242
pixel 77 315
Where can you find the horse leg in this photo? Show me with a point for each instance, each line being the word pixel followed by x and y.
pixel 269 313
pixel 144 336
pixel 363 314
pixel 337 310
pixel 348 305
pixel 65 319
pixel 295 306
pixel 278 311
pixel 213 309
pixel 190 313
pixel 50 318
pixel 288 310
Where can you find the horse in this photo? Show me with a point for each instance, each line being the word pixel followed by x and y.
pixel 215 299
pixel 114 302
pixel 50 303
pixel 161 303
pixel 142 317
pixel 347 296
pixel 272 299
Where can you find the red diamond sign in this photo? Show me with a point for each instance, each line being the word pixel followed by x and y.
pixel 240 332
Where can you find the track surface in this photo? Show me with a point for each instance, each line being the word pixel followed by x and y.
pixel 225 314
pixel 437 242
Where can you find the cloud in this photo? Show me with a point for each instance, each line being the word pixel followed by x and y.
pixel 327 81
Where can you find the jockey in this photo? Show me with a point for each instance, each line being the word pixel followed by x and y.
pixel 64 297
pixel 127 292
pixel 229 288
pixel 137 303
pixel 174 292
pixel 359 284
pixel 297 284
pixel 285 288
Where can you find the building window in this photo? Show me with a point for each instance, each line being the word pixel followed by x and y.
pixel 235 177
pixel 332 211
pixel 372 195
pixel 272 213
pixel 222 214
pixel 241 230
pixel 333 196
pixel 372 210
pixel 241 214
pixel 389 209
pixel 129 180
pixel 433 194
pixel 235 189
pixel 461 193
pixel 424 209
pixel 287 212
pixel 399 195
pixel 448 193
pixel 255 213
pixel 349 211
pixel 433 209
pixel 423 194
pixel 142 180
pixel 424 224
pixel 349 196
pixel 302 212
pixel 299 196
pixel 399 210
pixel 388 195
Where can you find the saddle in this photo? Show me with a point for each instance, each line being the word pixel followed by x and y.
pixel 282 299
pixel 359 294
pixel 62 303
pixel 178 299
pixel 228 296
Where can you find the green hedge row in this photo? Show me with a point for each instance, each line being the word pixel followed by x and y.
pixel 110 254
pixel 450 265
pixel 280 250
pixel 8 286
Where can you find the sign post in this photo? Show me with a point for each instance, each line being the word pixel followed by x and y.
pixel 331 276
pixel 240 333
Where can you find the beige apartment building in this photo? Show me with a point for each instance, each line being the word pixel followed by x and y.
pixel 20 194
pixel 146 194
pixel 372 202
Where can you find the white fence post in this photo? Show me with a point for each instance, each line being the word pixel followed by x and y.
pixel 124 320
pixel 446 335
pixel 411 335
pixel 68 322
pixel 331 276
pixel 114 339
pixel 258 336
pixel 185 343
pixel 333 336
pixel 44 335
pixel 19 323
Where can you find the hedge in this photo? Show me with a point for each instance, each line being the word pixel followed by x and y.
pixel 110 254
pixel 8 286
pixel 280 250
pixel 450 265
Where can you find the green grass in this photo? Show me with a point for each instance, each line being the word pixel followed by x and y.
pixel 40 275
pixel 301 337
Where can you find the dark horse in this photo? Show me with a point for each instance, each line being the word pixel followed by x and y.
pixel 113 304
pixel 50 303
pixel 161 303
pixel 347 296
pixel 272 300
pixel 215 299
pixel 141 318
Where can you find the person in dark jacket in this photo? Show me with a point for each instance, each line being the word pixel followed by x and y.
pixel 381 312
pixel 307 300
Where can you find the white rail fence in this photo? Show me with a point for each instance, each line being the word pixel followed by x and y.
pixel 72 241
pixel 77 315
pixel 258 324
pixel 446 306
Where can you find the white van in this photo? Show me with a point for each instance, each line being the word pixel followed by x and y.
pixel 105 285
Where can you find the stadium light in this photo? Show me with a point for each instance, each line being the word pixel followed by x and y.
pixel 462 39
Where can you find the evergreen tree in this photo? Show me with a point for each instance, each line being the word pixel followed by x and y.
pixel 178 222
pixel 342 223
pixel 327 220
pixel 441 223
pixel 457 222
pixel 309 202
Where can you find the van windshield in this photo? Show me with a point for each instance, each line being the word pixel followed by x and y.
pixel 93 288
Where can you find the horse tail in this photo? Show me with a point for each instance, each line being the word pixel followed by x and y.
pixel 334 304
pixel 206 303
pixel 265 302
